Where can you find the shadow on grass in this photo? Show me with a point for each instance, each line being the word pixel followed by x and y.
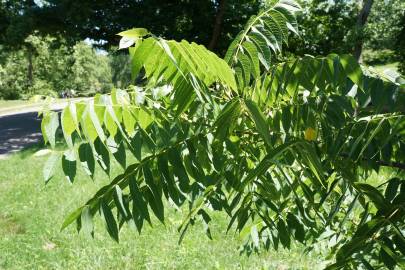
pixel 28 151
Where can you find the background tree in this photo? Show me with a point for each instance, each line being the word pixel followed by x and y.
pixel 384 24
pixel 360 25
pixel 33 69
pixel 216 32
pixel 101 20
pixel 16 22
pixel 53 69
pixel 400 45
pixel 330 25
pixel 90 72
pixel 120 68
pixel 382 32
pixel 325 27
pixel 13 75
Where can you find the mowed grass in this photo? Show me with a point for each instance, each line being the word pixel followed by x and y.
pixel 8 106
pixel 31 215
pixel 4 104
pixel 390 66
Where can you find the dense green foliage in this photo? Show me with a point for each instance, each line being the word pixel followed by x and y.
pixel 328 26
pixel 284 148
pixel 90 72
pixel 121 69
pixel 325 26
pixel 78 20
pixel 13 76
pixel 400 46
pixel 45 66
pixel 383 33
pixel 384 24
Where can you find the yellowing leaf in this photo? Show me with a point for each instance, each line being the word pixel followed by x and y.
pixel 310 134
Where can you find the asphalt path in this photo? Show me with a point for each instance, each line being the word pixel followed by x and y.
pixel 21 127
pixel 19 131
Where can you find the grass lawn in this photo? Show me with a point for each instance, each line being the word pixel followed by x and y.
pixel 392 66
pixel 13 103
pixel 31 215
pixel 7 106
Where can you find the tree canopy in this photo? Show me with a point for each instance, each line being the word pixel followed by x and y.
pixel 101 20
pixel 325 26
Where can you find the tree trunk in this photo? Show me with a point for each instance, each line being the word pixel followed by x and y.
pixel 218 25
pixel 361 22
pixel 30 74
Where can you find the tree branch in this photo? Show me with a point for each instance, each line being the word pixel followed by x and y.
pixel 392 164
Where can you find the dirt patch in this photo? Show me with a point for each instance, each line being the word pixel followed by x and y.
pixel 10 225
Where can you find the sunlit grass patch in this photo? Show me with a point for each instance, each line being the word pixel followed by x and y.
pixel 31 215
